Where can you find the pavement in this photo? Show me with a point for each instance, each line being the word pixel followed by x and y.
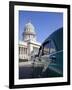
pixel 34 70
pixel 30 64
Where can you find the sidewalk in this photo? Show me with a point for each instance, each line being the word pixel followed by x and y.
pixel 30 64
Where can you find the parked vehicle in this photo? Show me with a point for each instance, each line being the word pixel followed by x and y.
pixel 51 55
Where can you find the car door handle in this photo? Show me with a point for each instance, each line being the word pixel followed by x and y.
pixel 53 57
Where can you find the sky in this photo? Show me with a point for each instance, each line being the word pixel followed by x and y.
pixel 45 23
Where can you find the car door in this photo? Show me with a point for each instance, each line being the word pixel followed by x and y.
pixel 52 58
pixel 48 49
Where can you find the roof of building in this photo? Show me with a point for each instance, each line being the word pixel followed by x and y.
pixel 23 43
pixel 29 29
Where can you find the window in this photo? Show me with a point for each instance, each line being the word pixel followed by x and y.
pixel 52 47
pixel 26 50
pixel 49 47
pixel 35 49
pixel 19 50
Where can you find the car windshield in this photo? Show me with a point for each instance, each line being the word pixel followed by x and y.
pixel 49 47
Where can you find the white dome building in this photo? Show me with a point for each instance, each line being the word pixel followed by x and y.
pixel 29 46
pixel 29 32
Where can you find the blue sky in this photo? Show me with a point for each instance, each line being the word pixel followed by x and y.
pixel 44 22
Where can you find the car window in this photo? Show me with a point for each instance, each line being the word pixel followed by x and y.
pixel 49 48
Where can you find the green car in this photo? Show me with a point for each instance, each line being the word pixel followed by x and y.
pixel 51 55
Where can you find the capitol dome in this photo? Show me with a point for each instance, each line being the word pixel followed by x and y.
pixel 29 29
pixel 29 32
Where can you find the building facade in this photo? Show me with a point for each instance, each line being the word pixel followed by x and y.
pixel 29 46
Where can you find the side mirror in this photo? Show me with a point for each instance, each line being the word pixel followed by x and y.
pixel 53 57
pixel 36 55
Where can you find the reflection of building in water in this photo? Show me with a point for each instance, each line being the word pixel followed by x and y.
pixel 29 46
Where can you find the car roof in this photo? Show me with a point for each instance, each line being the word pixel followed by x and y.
pixel 57 38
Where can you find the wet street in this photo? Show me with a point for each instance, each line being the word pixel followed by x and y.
pixel 29 72
pixel 26 72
